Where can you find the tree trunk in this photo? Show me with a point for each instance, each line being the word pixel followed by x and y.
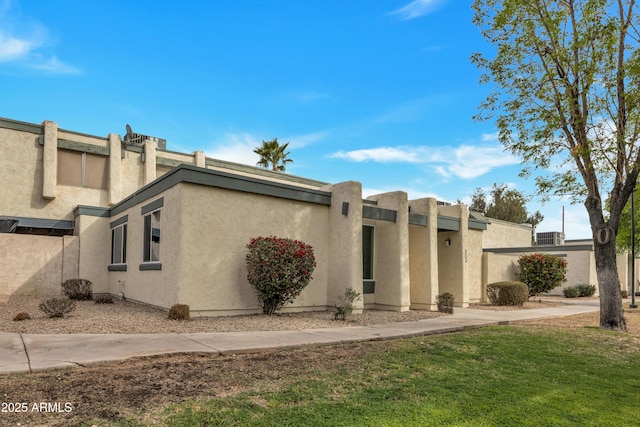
pixel 604 242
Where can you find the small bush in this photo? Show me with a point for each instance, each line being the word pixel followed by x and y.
pixel 57 307
pixel 344 306
pixel 624 294
pixel 445 303
pixel 104 299
pixel 542 272
pixel 508 293
pixel 21 316
pixel 179 312
pixel 78 289
pixel 279 269
pixel 585 290
pixel 571 292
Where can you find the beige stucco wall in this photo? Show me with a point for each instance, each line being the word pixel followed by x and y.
pixel 36 265
pixel 499 268
pixel 21 193
pixel 453 260
pixel 474 260
pixel 216 225
pixel 504 234
pixel 95 248
pixel 423 255
pixel 345 242
pixel 156 287
pixel 391 263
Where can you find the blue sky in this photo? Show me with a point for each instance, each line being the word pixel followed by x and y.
pixel 380 92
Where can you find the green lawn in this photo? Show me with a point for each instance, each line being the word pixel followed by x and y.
pixel 496 376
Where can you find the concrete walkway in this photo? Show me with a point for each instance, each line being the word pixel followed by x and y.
pixel 28 352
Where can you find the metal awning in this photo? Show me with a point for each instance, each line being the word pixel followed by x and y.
pixel 13 223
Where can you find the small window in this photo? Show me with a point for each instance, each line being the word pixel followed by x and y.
pixel 152 237
pixel 367 252
pixel 80 169
pixel 119 244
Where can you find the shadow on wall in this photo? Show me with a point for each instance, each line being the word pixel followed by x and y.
pixel 36 265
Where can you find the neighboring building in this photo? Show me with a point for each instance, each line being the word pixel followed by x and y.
pixel 162 227
pixel 500 260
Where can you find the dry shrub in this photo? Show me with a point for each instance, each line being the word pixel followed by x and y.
pixel 21 316
pixel 78 289
pixel 179 312
pixel 104 299
pixel 57 307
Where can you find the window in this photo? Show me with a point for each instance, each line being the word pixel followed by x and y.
pixel 80 169
pixel 119 244
pixel 152 237
pixel 367 252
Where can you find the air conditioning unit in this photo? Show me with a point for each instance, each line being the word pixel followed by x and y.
pixel 550 238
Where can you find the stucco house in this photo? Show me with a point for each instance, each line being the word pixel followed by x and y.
pixel 162 227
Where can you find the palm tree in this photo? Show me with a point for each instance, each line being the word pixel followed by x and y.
pixel 272 154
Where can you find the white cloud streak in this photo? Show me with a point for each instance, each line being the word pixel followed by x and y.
pixel 416 9
pixel 22 42
pixel 236 148
pixel 465 161
pixel 12 48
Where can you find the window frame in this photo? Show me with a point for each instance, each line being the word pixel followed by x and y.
pixel 148 236
pixel 119 226
pixel 372 253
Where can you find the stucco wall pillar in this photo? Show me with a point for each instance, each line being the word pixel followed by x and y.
pixel 50 160
pixel 199 159
pixel 391 264
pixel 423 255
pixel 115 169
pixel 453 257
pixel 345 241
pixel 149 161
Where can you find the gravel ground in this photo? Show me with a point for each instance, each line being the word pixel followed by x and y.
pixel 125 317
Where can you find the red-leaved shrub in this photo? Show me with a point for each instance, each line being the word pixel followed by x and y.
pixel 279 269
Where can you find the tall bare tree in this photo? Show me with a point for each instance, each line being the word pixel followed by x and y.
pixel 566 99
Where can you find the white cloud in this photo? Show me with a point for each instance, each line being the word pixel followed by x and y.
pixel 411 192
pixel 489 137
pixel 383 154
pixel 23 41
pixel 12 48
pixel 236 148
pixel 469 161
pixel 54 65
pixel 416 9
pixel 465 161
pixel 299 141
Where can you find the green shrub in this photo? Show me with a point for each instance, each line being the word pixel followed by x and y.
pixel 624 294
pixel 104 299
pixel 279 269
pixel 179 312
pixel 78 289
pixel 445 302
pixel 542 272
pixel 21 316
pixel 57 307
pixel 508 293
pixel 585 290
pixel 344 306
pixel 571 292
